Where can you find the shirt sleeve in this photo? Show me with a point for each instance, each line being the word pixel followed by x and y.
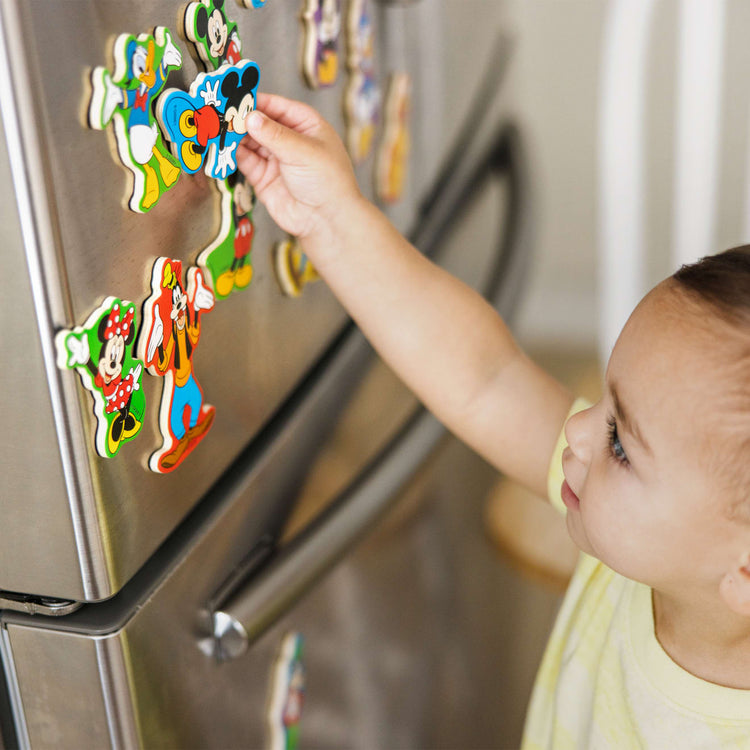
pixel 555 474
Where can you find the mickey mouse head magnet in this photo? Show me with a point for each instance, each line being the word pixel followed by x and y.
pixel 100 351
pixel 322 20
pixel 205 124
pixel 215 37
pixel 167 341
pixel 142 64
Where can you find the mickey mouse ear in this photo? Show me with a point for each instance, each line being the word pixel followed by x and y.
pixel 250 78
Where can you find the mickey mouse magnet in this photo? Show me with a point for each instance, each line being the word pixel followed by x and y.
pixel 166 343
pixel 227 260
pixel 215 37
pixel 205 124
pixel 142 64
pixel 100 351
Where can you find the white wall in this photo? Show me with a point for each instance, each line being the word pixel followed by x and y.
pixel 553 90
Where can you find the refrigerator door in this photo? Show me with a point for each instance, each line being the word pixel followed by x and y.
pixel 75 525
pixel 183 655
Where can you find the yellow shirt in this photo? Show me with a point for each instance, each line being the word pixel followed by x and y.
pixel 606 682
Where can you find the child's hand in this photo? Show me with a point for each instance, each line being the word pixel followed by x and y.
pixel 298 167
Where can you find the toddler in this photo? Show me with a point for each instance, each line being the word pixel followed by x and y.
pixel 652 644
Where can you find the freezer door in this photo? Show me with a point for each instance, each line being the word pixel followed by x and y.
pixel 75 525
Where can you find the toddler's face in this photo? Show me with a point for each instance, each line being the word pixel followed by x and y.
pixel 646 464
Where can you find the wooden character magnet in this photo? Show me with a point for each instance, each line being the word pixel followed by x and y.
pixel 362 95
pixel 142 64
pixel 167 341
pixel 206 124
pixel 100 351
pixel 393 154
pixel 322 20
pixel 214 36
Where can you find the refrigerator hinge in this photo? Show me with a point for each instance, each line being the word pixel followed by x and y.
pixel 37 605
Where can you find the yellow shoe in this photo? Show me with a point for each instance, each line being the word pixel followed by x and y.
pixel 115 434
pixel 132 425
pixel 169 172
pixel 225 283
pixel 151 189
pixel 243 276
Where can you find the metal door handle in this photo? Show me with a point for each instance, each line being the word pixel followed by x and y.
pixel 274 582
pixel 249 611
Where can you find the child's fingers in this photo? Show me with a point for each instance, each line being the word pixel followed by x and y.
pixel 288 112
pixel 286 144
pixel 249 144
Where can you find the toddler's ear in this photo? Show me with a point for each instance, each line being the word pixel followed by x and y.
pixel 735 587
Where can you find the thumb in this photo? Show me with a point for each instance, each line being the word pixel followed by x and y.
pixel 283 142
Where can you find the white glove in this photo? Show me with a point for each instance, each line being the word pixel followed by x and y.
pixel 225 161
pixel 203 299
pixel 211 95
pixel 113 98
pixel 172 56
pixel 78 349
pixel 136 373
pixel 237 41
pixel 157 334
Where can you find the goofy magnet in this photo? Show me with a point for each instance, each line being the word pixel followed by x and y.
pixel 101 352
pixel 171 331
pixel 205 125
pixel 141 67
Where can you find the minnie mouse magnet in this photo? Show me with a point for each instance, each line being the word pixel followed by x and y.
pixel 100 351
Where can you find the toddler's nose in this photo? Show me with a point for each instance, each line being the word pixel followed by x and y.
pixel 579 434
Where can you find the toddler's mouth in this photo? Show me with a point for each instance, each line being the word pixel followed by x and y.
pixel 569 497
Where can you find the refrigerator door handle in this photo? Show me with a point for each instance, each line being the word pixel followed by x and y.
pixel 247 612
pixel 243 610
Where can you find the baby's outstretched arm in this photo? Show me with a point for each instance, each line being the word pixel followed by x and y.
pixel 441 337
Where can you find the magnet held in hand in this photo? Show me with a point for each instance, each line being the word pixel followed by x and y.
pixel 205 125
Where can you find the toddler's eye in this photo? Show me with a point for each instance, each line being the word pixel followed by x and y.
pixel 614 446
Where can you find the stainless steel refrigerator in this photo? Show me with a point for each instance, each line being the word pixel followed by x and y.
pixel 148 608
